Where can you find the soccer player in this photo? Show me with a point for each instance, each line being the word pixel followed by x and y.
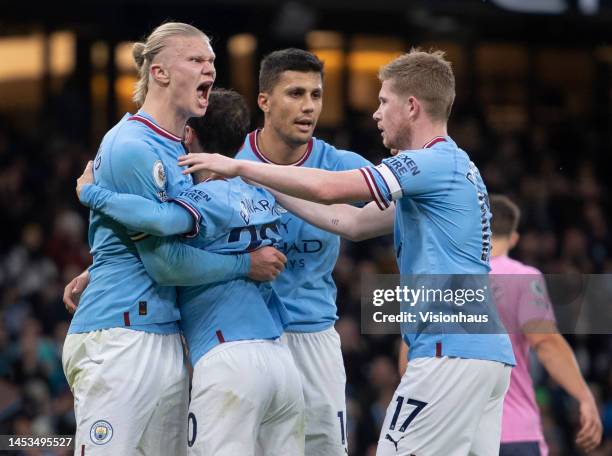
pixel 291 97
pixel 246 388
pixel 450 400
pixel 526 312
pixel 123 356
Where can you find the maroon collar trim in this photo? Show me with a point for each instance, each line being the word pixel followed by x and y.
pixel 263 158
pixel 434 141
pixel 156 128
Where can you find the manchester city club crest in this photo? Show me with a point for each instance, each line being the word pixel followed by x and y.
pixel 159 174
pixel 101 432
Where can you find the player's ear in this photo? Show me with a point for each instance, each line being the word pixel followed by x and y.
pixel 159 73
pixel 414 106
pixel 189 135
pixel 263 101
pixel 514 238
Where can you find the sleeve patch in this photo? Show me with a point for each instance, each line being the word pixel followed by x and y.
pixel 159 175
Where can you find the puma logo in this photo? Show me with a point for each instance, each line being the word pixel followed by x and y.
pixel 388 437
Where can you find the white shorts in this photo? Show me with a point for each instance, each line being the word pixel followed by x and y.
pixel 246 399
pixel 446 407
pixel 130 392
pixel 319 359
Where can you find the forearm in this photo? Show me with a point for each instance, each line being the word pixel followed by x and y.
pixel 171 262
pixel 305 183
pixel 402 362
pixel 350 222
pixel 138 213
pixel 335 218
pixel 557 357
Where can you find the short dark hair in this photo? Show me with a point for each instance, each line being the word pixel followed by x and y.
pixel 506 215
pixel 290 59
pixel 226 123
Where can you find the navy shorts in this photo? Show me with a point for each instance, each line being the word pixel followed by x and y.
pixel 520 449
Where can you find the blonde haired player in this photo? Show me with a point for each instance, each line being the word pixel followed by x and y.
pixel 123 356
pixel 450 400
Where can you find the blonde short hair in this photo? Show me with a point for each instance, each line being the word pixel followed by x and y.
pixel 427 76
pixel 144 53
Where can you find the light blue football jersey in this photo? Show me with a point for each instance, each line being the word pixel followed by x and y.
pixel 233 217
pixel 138 157
pixel 442 227
pixel 306 285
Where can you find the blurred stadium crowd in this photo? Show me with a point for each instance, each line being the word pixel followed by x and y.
pixel 555 172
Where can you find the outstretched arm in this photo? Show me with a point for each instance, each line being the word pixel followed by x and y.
pixel 350 222
pixel 557 357
pixel 307 183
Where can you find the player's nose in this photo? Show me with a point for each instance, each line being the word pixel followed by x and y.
pixel 308 105
pixel 208 69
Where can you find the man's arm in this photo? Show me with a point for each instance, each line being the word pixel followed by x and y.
pixel 73 291
pixel 171 262
pixel 312 184
pixel 138 213
pixel 557 357
pixel 350 222
pixel 402 362
pixel 135 212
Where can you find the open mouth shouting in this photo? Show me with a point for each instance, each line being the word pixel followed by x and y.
pixel 203 91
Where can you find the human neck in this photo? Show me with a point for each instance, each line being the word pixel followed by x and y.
pixel 424 133
pixel 501 246
pixel 165 116
pixel 276 149
pixel 201 176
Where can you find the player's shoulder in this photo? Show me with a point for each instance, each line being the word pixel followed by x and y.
pixel 128 138
pixel 437 156
pixel 213 187
pixel 507 265
pixel 247 151
pixel 330 157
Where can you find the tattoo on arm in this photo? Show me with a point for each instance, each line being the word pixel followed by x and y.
pixel 335 221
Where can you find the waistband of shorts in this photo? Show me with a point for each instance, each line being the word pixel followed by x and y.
pixel 308 335
pixel 217 349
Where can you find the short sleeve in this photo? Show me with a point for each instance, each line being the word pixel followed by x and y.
pixel 350 160
pixel 534 303
pixel 135 168
pixel 409 174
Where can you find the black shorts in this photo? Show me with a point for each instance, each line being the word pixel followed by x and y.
pixel 520 449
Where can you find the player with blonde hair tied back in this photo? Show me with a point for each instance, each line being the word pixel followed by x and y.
pixel 123 355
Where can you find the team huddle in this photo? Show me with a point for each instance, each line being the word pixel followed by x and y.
pixel 228 262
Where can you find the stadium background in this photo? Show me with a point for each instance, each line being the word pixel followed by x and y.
pixel 533 108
